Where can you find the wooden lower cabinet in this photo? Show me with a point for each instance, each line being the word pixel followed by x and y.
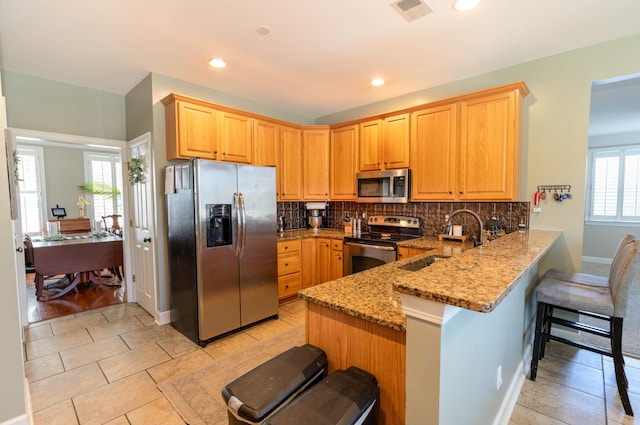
pixel 405 252
pixel 289 265
pixel 323 262
pixel 309 269
pixel 336 262
pixel 380 350
pixel 329 259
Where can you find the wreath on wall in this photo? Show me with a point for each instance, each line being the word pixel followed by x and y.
pixel 136 171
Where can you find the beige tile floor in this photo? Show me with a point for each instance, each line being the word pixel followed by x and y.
pixel 103 366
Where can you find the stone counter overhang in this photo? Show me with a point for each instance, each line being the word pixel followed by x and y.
pixel 476 279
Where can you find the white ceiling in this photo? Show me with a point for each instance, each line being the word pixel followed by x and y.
pixel 319 56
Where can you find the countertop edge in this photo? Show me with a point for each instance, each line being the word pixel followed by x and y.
pixel 374 294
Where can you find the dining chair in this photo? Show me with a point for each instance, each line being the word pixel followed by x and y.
pixel 28 254
pixel 111 222
pixel 603 298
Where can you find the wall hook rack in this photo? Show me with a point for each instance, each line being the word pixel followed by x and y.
pixel 554 188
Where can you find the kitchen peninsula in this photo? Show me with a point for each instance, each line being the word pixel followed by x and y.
pixel 442 337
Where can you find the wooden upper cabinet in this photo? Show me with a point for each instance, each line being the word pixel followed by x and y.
pixel 235 138
pixel 433 153
pixel 266 137
pixel 289 168
pixel 490 146
pixel 396 136
pixel 315 154
pixel 370 157
pixel 478 162
pixel 343 163
pixel 191 129
pixel 384 143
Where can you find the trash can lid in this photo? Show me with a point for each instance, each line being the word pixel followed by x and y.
pixel 343 398
pixel 260 391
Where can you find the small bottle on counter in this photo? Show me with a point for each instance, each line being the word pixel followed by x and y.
pixel 281 224
pixel 357 225
pixel 446 230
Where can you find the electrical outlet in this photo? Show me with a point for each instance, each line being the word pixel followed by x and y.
pixel 499 378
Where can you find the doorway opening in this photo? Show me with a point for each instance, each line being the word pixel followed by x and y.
pixel 612 201
pixel 53 171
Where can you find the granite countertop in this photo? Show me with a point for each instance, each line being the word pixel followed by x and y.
pixel 291 235
pixel 477 279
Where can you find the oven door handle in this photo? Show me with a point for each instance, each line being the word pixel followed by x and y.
pixel 366 245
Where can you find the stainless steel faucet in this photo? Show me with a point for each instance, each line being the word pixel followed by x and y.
pixel 479 239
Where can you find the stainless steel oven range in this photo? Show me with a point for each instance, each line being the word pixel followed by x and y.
pixel 380 245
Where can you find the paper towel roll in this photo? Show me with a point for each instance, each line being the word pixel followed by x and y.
pixel 316 205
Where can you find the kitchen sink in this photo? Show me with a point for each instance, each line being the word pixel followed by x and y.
pixel 421 264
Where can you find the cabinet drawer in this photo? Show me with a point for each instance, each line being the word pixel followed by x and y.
pixel 288 246
pixel 288 263
pixel 336 244
pixel 289 285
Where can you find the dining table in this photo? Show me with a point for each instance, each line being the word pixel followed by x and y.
pixel 79 258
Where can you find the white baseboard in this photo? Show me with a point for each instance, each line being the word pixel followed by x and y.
pixel 598 260
pixel 19 420
pixel 164 317
pixel 25 419
pixel 503 417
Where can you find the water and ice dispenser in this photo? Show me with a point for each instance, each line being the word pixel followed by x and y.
pixel 219 228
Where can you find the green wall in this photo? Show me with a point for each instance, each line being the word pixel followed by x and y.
pixel 555 127
pixel 45 105
pixel 12 376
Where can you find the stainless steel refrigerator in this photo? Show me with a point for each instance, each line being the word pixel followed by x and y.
pixel 221 226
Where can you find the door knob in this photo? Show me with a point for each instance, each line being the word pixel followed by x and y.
pixel 19 249
pixel 146 240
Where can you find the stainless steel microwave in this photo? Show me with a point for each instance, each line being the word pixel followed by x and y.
pixel 387 186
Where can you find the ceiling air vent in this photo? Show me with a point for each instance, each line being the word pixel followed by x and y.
pixel 411 9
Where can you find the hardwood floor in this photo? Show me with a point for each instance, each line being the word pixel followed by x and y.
pixel 87 297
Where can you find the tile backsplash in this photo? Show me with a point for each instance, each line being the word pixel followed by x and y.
pixel 512 215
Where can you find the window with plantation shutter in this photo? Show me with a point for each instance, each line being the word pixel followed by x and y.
pixel 107 169
pixel 30 185
pixel 613 187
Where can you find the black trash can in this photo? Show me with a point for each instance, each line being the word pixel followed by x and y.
pixel 346 397
pixel 262 391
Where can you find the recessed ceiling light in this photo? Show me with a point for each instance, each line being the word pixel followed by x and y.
pixel 464 5
pixel 263 30
pixel 377 82
pixel 217 63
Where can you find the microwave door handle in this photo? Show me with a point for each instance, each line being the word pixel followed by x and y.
pixel 243 215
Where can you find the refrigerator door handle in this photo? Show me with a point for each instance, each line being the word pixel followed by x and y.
pixel 236 240
pixel 243 214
